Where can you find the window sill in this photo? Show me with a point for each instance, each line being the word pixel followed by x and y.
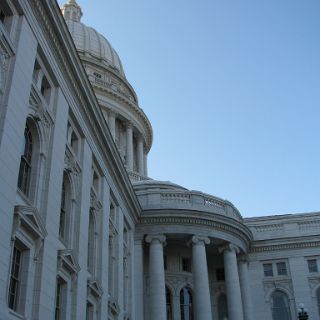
pixel 24 198
pixel 16 314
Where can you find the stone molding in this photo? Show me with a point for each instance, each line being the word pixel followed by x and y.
pixel 175 282
pixel 270 286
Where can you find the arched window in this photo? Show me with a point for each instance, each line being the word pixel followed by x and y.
pixel 25 163
pixel 91 243
pixel 222 307
pixel 318 300
pixel 186 304
pixel 280 306
pixel 169 303
pixel 65 210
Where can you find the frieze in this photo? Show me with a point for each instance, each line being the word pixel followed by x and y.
pixel 309 225
pixel 285 246
pixel 269 227
pixel 192 221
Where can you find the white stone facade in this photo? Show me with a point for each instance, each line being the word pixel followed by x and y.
pixel 84 233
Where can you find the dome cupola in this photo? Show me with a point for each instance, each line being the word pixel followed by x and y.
pixel 72 11
pixel 88 41
pixel 128 124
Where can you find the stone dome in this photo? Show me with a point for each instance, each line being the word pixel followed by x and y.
pixel 88 41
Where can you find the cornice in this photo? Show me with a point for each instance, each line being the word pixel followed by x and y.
pixel 215 222
pixel 121 99
pixel 291 244
pixel 48 15
pixel 108 69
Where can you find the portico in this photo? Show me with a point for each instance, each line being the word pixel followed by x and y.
pixel 196 260
pixel 181 268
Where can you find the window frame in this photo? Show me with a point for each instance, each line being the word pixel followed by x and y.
pixel 315 266
pixel 280 270
pixel 287 302
pixel 19 306
pixel 186 264
pixel 61 300
pixel 25 168
pixel 184 305
pixel 268 272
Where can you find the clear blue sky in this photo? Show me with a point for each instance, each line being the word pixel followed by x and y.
pixel 232 89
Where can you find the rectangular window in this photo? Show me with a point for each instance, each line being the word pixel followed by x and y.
pixel 186 264
pixel 5 15
pixel 267 270
pixel 15 279
pixel 282 269
pixel 220 274
pixel 312 265
pixel 165 262
pixel 90 311
pixel 61 299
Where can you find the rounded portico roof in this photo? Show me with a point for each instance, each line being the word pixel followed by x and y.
pixel 88 41
pixel 171 209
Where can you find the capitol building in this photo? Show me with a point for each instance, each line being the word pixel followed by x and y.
pixel 85 233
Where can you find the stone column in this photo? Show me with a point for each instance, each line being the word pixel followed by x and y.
pixel 157 301
pixel 245 289
pixel 129 151
pixel 112 124
pixel 145 162
pixel 232 282
pixel 140 156
pixel 201 292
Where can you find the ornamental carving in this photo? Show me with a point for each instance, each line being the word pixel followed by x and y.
pixel 313 282
pixel 41 115
pixel 72 166
pixel 95 203
pixel 112 83
pixel 178 281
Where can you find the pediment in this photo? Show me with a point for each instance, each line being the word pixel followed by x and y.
pixel 94 289
pixel 30 219
pixel 113 307
pixel 67 261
